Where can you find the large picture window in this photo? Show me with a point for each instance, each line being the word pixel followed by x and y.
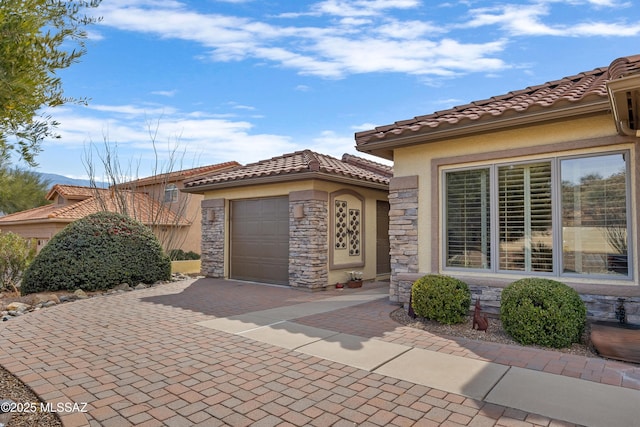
pixel 558 216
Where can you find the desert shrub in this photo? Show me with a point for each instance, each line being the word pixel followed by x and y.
pixel 16 253
pixel 543 312
pixel 96 253
pixel 180 255
pixel 441 298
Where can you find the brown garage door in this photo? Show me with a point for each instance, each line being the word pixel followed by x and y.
pixel 260 240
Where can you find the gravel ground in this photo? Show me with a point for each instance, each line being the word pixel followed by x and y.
pixel 11 388
pixel 494 333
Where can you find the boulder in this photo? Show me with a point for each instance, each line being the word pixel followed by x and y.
pixel 122 287
pixel 18 307
pixel 80 294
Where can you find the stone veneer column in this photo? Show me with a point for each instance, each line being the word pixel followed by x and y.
pixel 403 232
pixel 308 247
pixel 213 218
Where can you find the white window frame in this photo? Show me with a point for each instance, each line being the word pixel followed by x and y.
pixel 557 229
pixel 170 193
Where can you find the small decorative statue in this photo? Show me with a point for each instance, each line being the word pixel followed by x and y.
pixel 478 319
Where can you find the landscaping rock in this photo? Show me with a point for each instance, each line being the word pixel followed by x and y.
pixel 45 298
pixel 122 287
pixel 80 294
pixel 19 307
pixel 140 286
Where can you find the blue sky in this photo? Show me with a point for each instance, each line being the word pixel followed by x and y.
pixel 246 80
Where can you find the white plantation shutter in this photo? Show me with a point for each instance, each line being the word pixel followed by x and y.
pixel 525 217
pixel 468 228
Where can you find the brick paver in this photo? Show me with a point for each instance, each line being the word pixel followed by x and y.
pixel 139 358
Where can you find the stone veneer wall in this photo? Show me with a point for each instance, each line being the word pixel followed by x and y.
pixel 308 247
pixel 403 233
pixel 213 217
pixel 599 307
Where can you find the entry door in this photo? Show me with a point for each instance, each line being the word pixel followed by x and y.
pixel 383 258
pixel 260 240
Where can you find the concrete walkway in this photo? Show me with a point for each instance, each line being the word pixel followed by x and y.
pixel 212 352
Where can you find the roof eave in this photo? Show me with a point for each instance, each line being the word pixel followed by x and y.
pixel 385 146
pixel 270 179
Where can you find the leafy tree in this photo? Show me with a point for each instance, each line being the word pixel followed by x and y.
pixel 37 38
pixel 16 253
pixel 20 189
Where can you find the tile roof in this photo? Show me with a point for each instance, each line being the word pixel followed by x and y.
pixel 181 175
pixel 583 88
pixel 137 205
pixel 294 165
pixel 72 192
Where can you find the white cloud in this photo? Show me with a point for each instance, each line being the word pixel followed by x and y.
pixel 365 40
pixel 139 134
pixel 167 93
pixel 527 20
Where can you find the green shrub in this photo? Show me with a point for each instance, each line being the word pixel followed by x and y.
pixel 180 255
pixel 441 298
pixel 98 252
pixel 16 253
pixel 543 312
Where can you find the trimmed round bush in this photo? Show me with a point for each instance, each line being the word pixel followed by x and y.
pixel 98 252
pixel 543 312
pixel 441 298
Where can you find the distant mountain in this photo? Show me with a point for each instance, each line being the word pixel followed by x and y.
pixel 60 179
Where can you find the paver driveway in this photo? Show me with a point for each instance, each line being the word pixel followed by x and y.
pixel 140 358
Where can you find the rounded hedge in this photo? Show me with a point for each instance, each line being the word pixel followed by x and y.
pixel 543 312
pixel 98 252
pixel 441 298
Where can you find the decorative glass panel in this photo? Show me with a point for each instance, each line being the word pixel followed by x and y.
pixel 354 232
pixel 341 225
pixel 468 225
pixel 594 215
pixel 525 217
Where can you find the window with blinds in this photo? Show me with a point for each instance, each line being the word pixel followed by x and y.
pixel 468 227
pixel 503 217
pixel 524 217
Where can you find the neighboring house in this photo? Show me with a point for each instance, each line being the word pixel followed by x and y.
pixel 302 219
pixel 165 188
pixel 539 182
pixel 153 201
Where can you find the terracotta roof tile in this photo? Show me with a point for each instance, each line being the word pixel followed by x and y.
pixel 136 205
pixel 73 192
pixel 301 162
pixel 182 174
pixel 583 87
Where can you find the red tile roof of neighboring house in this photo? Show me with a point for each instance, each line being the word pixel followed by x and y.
pixel 72 192
pixel 136 205
pixel 584 88
pixel 294 165
pixel 181 175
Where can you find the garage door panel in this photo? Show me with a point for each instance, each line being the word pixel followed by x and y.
pixel 260 240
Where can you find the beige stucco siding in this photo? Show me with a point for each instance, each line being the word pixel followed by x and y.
pixel 578 136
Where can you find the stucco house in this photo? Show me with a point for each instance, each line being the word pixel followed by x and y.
pixel 541 181
pixel 302 219
pixel 154 201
